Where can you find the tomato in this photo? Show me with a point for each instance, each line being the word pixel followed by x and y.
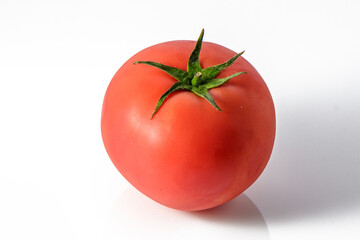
pixel 189 155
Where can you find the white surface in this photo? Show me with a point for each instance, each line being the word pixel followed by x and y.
pixel 57 58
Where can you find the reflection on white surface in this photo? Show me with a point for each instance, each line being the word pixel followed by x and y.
pixel 135 216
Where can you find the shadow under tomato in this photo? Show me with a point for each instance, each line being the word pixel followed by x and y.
pixel 240 211
pixel 315 166
pixel 137 216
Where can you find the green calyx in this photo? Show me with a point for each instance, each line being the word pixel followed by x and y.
pixel 195 79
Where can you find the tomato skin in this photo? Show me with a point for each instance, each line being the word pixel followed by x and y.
pixel 189 156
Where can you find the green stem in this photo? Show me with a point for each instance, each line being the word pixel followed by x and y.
pixel 195 79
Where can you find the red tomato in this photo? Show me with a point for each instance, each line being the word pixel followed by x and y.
pixel 189 156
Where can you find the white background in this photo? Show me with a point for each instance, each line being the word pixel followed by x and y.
pixel 57 58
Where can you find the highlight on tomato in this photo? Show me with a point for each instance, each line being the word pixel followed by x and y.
pixel 189 124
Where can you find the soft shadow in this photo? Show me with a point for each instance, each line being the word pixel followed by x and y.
pixel 139 217
pixel 315 167
pixel 241 211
